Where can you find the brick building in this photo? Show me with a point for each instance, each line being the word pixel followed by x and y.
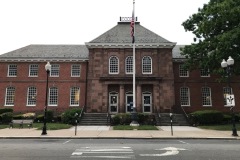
pixel 98 75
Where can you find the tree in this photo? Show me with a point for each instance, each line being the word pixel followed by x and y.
pixel 216 27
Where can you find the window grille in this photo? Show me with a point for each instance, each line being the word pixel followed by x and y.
pixel 113 65
pixel 10 96
pixel 206 96
pixel 184 96
pixel 147 65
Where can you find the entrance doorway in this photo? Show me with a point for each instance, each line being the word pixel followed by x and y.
pixel 113 102
pixel 129 102
pixel 147 102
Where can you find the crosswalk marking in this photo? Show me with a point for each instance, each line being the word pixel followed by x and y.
pixel 103 152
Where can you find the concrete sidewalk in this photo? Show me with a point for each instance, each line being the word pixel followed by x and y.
pixel 107 132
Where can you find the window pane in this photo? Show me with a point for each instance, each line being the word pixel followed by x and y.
pixel 184 96
pixel 32 93
pixel 183 72
pixel 113 65
pixel 75 94
pixel 205 73
pixel 226 91
pixel 206 96
pixel 12 70
pixel 55 70
pixel 33 70
pixel 75 70
pixel 9 97
pixel 129 65
pixel 147 65
pixel 53 96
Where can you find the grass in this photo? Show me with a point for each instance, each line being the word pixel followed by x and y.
pixel 39 126
pixel 128 127
pixel 225 127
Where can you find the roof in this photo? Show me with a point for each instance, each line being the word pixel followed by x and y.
pixel 120 35
pixel 176 52
pixel 65 52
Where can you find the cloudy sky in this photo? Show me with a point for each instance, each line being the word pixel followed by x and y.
pixel 25 22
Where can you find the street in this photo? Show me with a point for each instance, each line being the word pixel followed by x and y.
pixel 141 149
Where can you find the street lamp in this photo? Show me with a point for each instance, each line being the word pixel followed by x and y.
pixel 227 66
pixel 44 130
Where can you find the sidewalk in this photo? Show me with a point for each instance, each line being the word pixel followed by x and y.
pixel 107 132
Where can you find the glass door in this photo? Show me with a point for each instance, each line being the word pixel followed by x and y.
pixel 129 102
pixel 147 103
pixel 113 103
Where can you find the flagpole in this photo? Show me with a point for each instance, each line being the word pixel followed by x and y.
pixel 134 113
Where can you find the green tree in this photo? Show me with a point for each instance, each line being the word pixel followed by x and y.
pixel 216 27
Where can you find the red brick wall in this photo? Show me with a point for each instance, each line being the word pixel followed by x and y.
pixel 21 83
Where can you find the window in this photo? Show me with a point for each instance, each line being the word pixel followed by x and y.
pixel 226 91
pixel 33 70
pixel 53 96
pixel 184 96
pixel 204 73
pixel 147 65
pixel 55 70
pixel 206 96
pixel 74 97
pixel 12 70
pixel 129 65
pixel 31 97
pixel 113 65
pixel 9 97
pixel 182 71
pixel 75 70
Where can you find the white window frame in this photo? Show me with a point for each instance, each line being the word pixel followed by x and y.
pixel 183 72
pixel 185 94
pixel 146 66
pixel 12 70
pixel 74 96
pixel 32 96
pixel 129 65
pixel 33 70
pixel 53 96
pixel 75 70
pixel 204 73
pixel 10 96
pixel 55 70
pixel 113 65
pixel 206 95
pixel 226 91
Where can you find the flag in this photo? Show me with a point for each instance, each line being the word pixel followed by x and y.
pixel 133 25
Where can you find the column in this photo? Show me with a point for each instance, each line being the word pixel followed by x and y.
pixel 121 107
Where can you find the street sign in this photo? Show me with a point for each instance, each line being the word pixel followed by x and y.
pixel 230 100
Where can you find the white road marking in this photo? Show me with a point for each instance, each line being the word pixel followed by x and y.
pixel 170 151
pixel 183 142
pixel 66 141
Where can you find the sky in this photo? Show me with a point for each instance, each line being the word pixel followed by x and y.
pixel 25 22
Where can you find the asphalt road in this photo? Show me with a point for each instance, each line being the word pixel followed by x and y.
pixel 99 149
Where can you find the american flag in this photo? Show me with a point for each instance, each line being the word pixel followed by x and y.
pixel 132 25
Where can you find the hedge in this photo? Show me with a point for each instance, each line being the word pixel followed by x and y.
pixel 6 117
pixel 4 110
pixel 206 117
pixel 69 117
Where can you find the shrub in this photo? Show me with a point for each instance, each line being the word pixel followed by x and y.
pixel 227 118
pixel 29 115
pixel 19 116
pixel 207 117
pixel 6 117
pixel 68 116
pixel 4 110
pixel 39 118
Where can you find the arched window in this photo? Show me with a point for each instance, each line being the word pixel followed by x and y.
pixel 74 96
pixel 10 96
pixel 184 96
pixel 113 65
pixel 206 96
pixel 147 65
pixel 53 96
pixel 129 65
pixel 31 97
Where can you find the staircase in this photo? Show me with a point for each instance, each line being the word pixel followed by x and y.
pixel 164 120
pixel 94 119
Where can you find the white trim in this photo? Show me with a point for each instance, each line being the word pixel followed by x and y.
pixel 110 65
pixel 111 104
pixel 150 105
pixel 146 64
pixel 189 97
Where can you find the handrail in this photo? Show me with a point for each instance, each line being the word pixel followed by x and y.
pixel 80 116
pixel 184 112
pixel 108 117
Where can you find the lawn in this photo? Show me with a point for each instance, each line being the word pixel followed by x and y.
pixel 50 126
pixel 128 127
pixel 225 127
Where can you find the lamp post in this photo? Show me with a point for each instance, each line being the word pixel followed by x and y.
pixel 44 130
pixel 227 66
